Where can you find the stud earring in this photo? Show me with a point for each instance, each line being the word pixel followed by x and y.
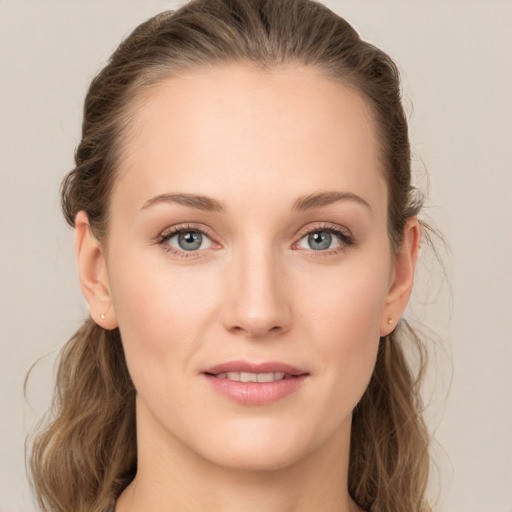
pixel 390 320
pixel 102 316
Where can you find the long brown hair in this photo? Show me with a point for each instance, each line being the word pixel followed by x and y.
pixel 86 455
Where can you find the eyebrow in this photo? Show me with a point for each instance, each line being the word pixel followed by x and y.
pixel 195 201
pixel 304 203
pixel 319 199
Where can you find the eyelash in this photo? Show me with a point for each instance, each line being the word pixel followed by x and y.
pixel 344 237
pixel 163 238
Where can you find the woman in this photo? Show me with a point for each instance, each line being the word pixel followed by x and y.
pixel 246 236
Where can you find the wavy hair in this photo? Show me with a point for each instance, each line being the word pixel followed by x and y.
pixel 86 454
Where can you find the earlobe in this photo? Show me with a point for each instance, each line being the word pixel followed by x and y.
pixel 403 277
pixel 92 271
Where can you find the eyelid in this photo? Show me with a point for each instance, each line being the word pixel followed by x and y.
pixel 324 226
pixel 180 228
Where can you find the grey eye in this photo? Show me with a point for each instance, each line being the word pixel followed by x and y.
pixel 319 240
pixel 190 240
pixel 187 240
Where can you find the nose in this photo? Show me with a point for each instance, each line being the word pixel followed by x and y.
pixel 257 302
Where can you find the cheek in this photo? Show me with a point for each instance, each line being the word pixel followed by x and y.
pixel 347 301
pixel 343 318
pixel 160 312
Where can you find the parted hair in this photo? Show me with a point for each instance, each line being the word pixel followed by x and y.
pixel 86 454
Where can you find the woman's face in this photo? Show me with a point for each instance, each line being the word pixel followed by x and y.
pixel 248 242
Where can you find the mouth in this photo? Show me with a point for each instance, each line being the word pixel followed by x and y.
pixel 253 377
pixel 255 384
pixel 243 371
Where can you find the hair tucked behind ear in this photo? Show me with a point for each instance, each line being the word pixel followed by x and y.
pixel 87 455
pixel 389 439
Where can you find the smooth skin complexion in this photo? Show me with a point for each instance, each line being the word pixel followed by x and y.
pixel 248 232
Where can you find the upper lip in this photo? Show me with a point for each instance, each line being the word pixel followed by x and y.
pixel 245 366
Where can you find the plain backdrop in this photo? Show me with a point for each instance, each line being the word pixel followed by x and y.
pixel 456 63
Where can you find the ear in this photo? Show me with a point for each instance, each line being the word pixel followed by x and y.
pixel 92 271
pixel 402 277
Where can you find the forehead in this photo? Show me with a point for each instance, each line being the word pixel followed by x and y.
pixel 288 128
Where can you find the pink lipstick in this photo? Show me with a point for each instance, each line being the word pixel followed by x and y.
pixel 255 384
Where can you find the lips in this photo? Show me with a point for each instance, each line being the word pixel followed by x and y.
pixel 255 384
pixel 244 366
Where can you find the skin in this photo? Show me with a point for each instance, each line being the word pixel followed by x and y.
pixel 256 142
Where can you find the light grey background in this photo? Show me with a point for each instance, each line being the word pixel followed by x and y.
pixel 455 57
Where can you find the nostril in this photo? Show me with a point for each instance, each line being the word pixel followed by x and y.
pixel 254 330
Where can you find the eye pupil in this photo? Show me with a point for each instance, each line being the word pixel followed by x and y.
pixel 190 240
pixel 319 240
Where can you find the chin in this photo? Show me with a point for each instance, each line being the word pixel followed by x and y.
pixel 259 460
pixel 261 450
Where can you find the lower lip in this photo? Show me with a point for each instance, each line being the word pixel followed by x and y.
pixel 256 393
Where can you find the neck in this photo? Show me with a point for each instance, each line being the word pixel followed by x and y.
pixel 171 477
